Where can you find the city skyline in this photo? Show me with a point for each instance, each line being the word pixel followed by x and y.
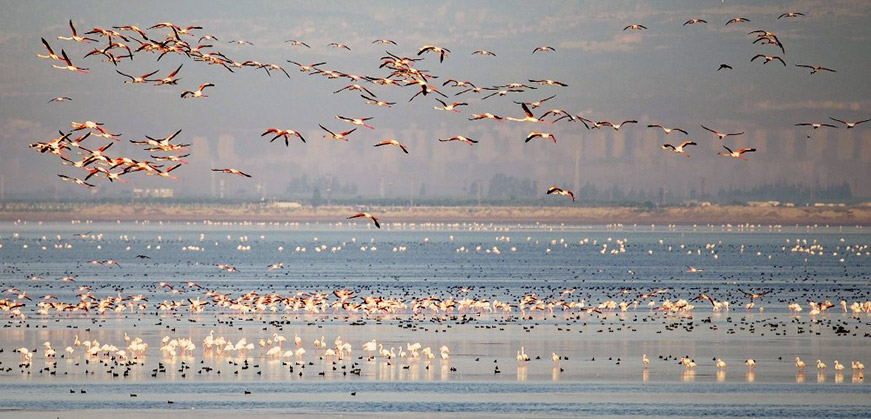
pixel 665 74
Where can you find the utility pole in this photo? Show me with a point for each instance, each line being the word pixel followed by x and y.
pixel 411 201
pixel 214 191
pixel 479 192
pixel 577 185
pixel 221 188
pixel 330 191
pixel 2 187
pixel 261 188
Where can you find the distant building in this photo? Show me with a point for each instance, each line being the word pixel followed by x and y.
pixel 164 193
pixel 285 204
pixel 763 203
pixel 697 203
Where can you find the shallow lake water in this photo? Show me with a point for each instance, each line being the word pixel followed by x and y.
pixel 599 371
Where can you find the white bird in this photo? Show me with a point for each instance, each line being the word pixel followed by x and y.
pixel 679 149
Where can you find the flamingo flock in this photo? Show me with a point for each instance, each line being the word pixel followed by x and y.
pixel 123 42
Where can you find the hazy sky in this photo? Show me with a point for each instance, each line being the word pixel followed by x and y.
pixel 666 74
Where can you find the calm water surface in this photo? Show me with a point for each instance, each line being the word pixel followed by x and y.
pixel 600 373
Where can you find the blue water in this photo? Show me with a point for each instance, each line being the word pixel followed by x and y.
pixel 680 398
pixel 453 262
pixel 435 266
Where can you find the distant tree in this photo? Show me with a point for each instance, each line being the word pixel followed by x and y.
pixel 509 187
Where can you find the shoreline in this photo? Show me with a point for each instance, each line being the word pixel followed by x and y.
pixel 732 214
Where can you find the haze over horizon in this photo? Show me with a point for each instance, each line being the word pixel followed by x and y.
pixel 666 74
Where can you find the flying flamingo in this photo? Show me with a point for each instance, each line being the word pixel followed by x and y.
pixel 51 53
pixel 75 36
pixel 356 121
pixel 446 107
pixel 721 135
pixel 553 190
pixel 286 133
pixel 679 149
pixel 667 131
pixel 232 172
pixel 528 118
pixel 366 215
pixel 170 80
pixel 69 65
pixel 736 154
pixel 138 80
pixel 196 94
pixel 542 135
pixel 77 181
pixel 460 138
pixel 393 143
pixel 849 125
pixel 340 136
pixel 816 69
pixel 442 52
